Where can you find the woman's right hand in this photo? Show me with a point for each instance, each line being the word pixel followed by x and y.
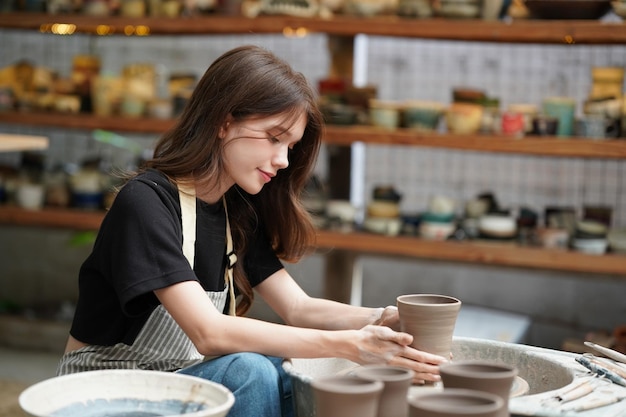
pixel 382 345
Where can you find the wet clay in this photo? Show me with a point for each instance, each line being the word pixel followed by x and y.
pixel 430 318
pixel 397 381
pixel 493 377
pixel 455 402
pixel 346 396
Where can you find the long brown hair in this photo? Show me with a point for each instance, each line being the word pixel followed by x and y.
pixel 247 82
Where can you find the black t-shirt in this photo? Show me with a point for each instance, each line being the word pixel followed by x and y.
pixel 139 250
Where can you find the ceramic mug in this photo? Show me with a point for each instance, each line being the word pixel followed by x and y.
pixel 430 318
pixel 396 380
pixel 346 396
pixel 563 108
pixel 496 378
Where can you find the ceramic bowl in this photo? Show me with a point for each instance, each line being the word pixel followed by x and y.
pixel 385 209
pixel 619 7
pixel 609 74
pixel 590 246
pixel 422 115
pixel 617 240
pixel 436 230
pixel 384 114
pixel 464 118
pixel 383 226
pixel 123 392
pixel 497 226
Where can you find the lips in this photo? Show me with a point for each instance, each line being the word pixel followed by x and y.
pixel 267 177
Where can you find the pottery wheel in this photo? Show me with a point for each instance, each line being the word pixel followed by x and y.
pixel 518 388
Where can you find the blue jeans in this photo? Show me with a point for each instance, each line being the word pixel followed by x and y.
pixel 260 385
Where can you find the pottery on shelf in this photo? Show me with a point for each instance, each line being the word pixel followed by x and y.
pixel 430 318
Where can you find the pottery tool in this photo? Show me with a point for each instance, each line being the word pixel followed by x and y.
pixel 601 371
pixel 610 365
pixel 613 354
pixel 572 393
pixel 595 403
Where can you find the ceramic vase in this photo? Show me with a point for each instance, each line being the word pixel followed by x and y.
pixel 346 396
pixel 496 378
pixel 397 381
pixel 430 318
pixel 455 402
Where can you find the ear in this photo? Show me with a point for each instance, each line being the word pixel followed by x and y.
pixel 225 126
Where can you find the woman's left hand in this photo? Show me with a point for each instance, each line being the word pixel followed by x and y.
pixel 389 318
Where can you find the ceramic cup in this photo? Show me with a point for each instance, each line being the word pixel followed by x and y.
pixel 30 196
pixel 346 396
pixel 592 126
pixel 563 108
pixel 496 378
pixel 545 125
pixel 430 318
pixel 455 402
pixel 396 380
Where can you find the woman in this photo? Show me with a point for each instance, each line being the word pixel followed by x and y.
pixel 204 224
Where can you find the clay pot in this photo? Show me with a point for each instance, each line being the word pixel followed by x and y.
pixel 455 402
pixel 397 381
pixel 346 396
pixel 430 318
pixel 496 378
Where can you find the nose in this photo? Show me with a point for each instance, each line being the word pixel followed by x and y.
pixel 281 157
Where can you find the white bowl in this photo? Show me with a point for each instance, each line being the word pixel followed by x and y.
pixel 497 226
pixel 591 246
pixel 383 226
pixel 436 230
pixel 120 392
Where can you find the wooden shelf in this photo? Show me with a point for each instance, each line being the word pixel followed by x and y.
pixel 517 31
pixel 474 252
pixel 346 135
pixel 531 145
pixel 479 252
pixel 52 218
pixel 86 122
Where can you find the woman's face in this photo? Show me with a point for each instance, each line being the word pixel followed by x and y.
pixel 256 149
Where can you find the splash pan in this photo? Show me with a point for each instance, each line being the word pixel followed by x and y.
pixel 543 374
pixel 126 393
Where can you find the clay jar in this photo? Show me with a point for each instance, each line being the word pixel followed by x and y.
pixel 346 396
pixel 430 318
pixel 397 381
pixel 455 402
pixel 496 378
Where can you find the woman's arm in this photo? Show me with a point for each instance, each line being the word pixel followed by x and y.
pixel 297 308
pixel 214 333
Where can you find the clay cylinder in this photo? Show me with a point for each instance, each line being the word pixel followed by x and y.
pixel 397 381
pixel 455 402
pixel 430 318
pixel 346 396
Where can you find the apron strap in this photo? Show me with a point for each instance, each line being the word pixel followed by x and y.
pixel 187 196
